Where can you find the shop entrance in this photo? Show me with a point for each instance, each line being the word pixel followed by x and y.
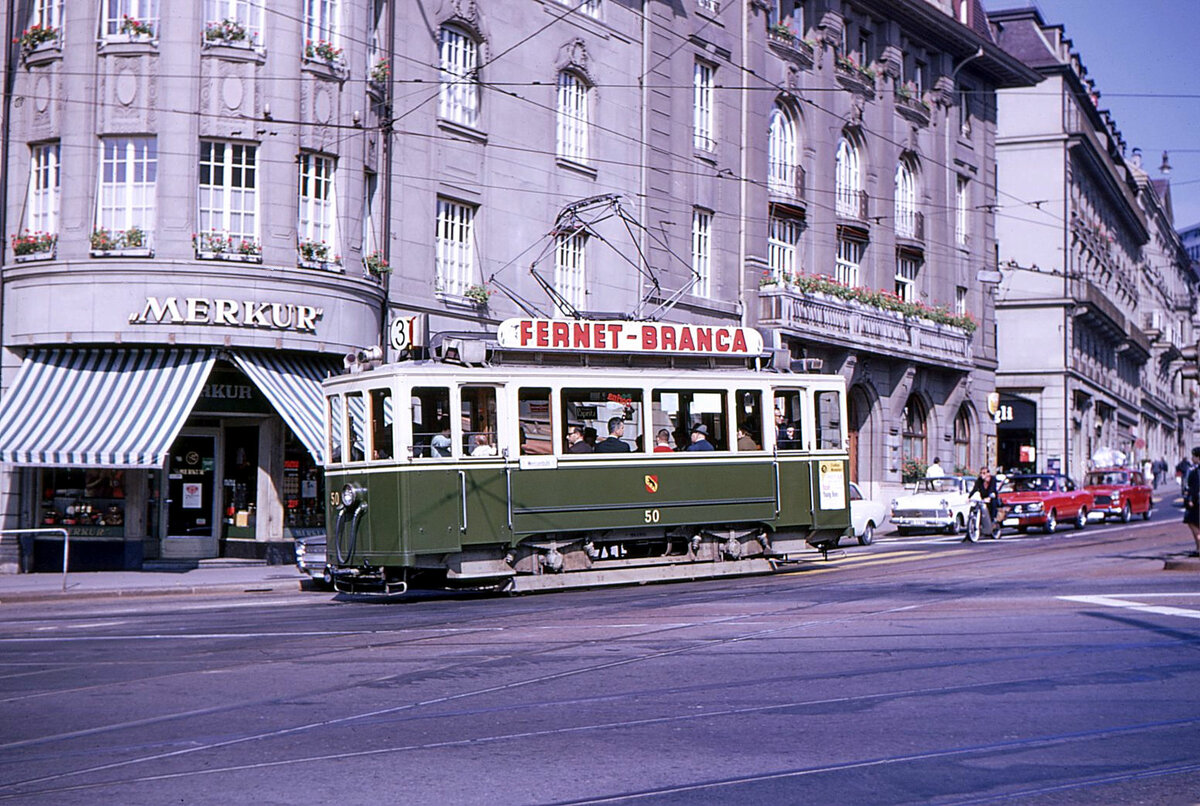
pixel 191 497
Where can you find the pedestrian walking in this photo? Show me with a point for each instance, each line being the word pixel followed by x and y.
pixel 1191 499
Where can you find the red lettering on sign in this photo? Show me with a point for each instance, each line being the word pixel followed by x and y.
pixel 526 332
pixel 543 333
pixel 581 335
pixel 739 341
pixel 562 334
pixel 685 340
pixel 668 337
pixel 722 340
pixel 614 336
pixel 649 337
pixel 704 338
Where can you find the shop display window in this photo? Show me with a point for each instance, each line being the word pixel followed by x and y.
pixel 303 489
pixel 86 501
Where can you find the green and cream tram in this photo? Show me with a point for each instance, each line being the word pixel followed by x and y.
pixel 525 477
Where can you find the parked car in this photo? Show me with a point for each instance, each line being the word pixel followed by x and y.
pixel 1119 492
pixel 935 504
pixel 865 516
pixel 310 557
pixel 1044 500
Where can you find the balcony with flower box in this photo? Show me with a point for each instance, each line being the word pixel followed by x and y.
pixel 214 245
pixel 231 40
pixel 910 105
pixel 30 246
pixel 785 42
pixel 818 308
pixel 40 45
pixel 854 77
pixel 132 242
pixel 323 59
pixel 317 255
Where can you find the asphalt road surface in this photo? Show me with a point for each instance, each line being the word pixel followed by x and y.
pixel 1058 669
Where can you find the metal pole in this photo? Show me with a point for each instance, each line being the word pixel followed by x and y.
pixel 66 537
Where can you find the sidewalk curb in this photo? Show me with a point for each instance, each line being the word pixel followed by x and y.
pixel 133 593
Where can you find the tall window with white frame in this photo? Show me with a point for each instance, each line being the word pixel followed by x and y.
pixel 454 243
pixel 848 200
pixel 41 218
pixel 237 23
pixel 784 232
pixel 906 200
pixel 458 100
pixel 370 240
pixel 573 117
pixel 907 267
pixel 125 212
pixel 787 15
pixel 848 268
pixel 47 15
pixel 133 19
pixel 590 8
pixel 320 26
pixel 783 160
pixel 960 300
pixel 703 113
pixel 702 251
pixel 227 215
pixel 570 270
pixel 378 71
pixel 962 206
pixel 316 225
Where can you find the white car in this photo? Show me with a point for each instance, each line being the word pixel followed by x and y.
pixel 935 504
pixel 865 516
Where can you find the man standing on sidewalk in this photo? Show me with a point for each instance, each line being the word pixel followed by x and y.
pixel 1191 499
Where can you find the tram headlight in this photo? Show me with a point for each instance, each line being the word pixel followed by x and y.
pixel 350 496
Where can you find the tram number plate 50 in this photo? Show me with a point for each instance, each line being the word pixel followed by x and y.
pixel 653 516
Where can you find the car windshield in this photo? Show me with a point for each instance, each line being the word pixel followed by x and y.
pixel 941 484
pixel 1108 478
pixel 1032 484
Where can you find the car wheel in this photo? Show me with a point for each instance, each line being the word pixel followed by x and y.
pixel 1126 513
pixel 868 535
pixel 1051 522
pixel 1146 514
pixel 956 525
pixel 1081 518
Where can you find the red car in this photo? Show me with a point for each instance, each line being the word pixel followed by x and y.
pixel 1044 500
pixel 1119 492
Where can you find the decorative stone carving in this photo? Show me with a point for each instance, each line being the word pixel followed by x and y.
pixel 574 56
pixel 892 62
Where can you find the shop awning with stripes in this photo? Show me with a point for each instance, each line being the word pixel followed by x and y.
pixel 293 386
pixel 81 407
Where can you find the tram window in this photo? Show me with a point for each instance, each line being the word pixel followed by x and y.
pixel 696 419
pixel 749 417
pixel 356 426
pixel 383 417
pixel 335 429
pixel 609 419
pixel 533 406
pixel 789 433
pixel 431 422
pixel 478 420
pixel 829 419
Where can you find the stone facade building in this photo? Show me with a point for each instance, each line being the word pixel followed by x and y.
pixel 1098 295
pixel 220 199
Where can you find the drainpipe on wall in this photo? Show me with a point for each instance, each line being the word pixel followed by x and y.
pixel 385 132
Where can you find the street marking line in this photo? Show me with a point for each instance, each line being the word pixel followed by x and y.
pixel 1125 604
pixel 849 562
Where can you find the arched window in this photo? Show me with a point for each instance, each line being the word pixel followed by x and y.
pixel 783 161
pixel 458 101
pixel 848 180
pixel 913 440
pixel 962 438
pixel 573 117
pixel 906 200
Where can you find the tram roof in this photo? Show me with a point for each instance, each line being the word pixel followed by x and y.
pixel 577 373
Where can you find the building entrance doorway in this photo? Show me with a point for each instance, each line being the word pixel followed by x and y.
pixel 191 497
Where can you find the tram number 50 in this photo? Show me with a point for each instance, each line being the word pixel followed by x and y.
pixel 653 516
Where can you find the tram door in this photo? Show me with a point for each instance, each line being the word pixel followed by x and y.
pixel 191 497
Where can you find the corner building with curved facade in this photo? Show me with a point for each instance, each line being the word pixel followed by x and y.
pixel 208 204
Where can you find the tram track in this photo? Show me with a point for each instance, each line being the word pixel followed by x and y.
pixel 701 594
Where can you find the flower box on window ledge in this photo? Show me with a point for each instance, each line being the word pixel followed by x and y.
pixel 213 245
pixel 30 246
pixel 379 76
pixel 322 57
pixel 40 44
pixel 132 242
pixel 135 30
pixel 376 265
pixel 317 255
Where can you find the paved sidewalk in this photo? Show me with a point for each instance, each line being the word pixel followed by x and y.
pixel 207 576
